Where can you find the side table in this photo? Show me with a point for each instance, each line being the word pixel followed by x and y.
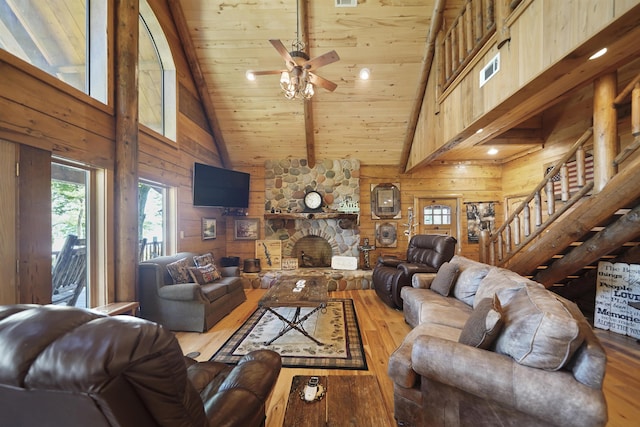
pixel 116 308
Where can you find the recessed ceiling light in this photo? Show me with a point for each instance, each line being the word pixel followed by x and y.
pixel 492 151
pixel 479 130
pixel 365 73
pixel 598 54
pixel 249 75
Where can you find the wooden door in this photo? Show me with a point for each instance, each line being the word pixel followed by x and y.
pixel 437 216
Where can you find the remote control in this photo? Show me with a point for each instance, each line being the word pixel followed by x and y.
pixel 311 389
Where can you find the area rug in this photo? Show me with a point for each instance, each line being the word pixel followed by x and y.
pixel 336 327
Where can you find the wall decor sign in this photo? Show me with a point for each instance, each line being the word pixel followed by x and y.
pixel 269 252
pixel 480 216
pixel 246 229
pixel 617 285
pixel 209 229
pixel 289 263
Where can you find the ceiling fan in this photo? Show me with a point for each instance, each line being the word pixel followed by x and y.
pixel 298 80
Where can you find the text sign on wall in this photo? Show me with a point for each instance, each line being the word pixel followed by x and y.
pixel 618 284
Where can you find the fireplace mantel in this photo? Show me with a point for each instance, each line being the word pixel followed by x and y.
pixel 310 215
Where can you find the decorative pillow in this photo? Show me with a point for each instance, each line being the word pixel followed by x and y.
pixel 179 272
pixel 468 281
pixel 205 274
pixel 538 331
pixel 446 275
pixel 484 324
pixel 202 260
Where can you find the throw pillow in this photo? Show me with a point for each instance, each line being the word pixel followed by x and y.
pixel 178 270
pixel 202 260
pixel 205 274
pixel 446 275
pixel 468 281
pixel 484 324
pixel 539 331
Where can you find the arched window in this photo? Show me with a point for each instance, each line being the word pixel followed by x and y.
pixel 436 215
pixel 65 38
pixel 157 76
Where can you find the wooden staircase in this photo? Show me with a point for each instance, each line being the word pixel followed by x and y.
pixel 562 251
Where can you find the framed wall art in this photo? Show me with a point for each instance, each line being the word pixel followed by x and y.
pixel 269 252
pixel 385 201
pixel 246 229
pixel 387 234
pixel 209 229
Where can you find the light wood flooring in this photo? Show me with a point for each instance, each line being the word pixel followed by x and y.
pixel 383 329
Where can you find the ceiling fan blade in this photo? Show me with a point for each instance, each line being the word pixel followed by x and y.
pixel 322 82
pixel 283 52
pixel 321 60
pixel 264 73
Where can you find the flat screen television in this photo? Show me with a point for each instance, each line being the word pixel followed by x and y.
pixel 218 187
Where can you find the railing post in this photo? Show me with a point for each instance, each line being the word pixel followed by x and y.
pixel 537 200
pixel 484 246
pixel 527 220
pixel 605 141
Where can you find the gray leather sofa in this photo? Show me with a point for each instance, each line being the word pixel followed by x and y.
pixel 186 306
pixel 544 367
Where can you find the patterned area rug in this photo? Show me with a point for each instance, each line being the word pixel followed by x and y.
pixel 336 327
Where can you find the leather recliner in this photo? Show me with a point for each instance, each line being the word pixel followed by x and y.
pixel 425 254
pixel 71 367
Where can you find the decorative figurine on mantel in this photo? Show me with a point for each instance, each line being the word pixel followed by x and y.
pixel 366 248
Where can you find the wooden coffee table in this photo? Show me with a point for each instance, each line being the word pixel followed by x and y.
pixel 350 400
pixel 285 293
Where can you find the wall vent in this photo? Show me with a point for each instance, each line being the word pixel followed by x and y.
pixel 490 69
pixel 346 3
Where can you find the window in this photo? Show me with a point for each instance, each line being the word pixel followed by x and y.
pixel 157 76
pixel 69 213
pixel 56 37
pixel 152 221
pixel 436 215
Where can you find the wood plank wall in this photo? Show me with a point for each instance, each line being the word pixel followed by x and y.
pixel 470 183
pixel 39 111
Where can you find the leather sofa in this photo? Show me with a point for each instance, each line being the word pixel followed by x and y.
pixel 542 366
pixel 186 306
pixel 425 254
pixel 65 366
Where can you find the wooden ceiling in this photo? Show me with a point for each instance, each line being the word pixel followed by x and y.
pixel 364 120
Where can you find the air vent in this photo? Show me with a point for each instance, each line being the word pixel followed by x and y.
pixel 490 69
pixel 346 3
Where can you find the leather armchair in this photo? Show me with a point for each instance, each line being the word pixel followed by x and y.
pixel 425 254
pixel 73 367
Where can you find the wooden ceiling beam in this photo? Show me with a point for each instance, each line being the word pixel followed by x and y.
pixel 198 76
pixel 427 61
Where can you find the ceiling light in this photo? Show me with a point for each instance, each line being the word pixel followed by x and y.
pixel 598 54
pixel 365 73
pixel 249 75
pixel 479 130
pixel 492 151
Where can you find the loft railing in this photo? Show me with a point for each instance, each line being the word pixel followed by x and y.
pixel 467 34
pixel 521 227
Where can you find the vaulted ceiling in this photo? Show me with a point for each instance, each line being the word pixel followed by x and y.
pixel 365 120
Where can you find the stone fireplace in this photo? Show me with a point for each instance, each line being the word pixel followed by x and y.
pixel 319 236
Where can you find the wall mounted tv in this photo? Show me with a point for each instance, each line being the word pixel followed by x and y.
pixel 218 187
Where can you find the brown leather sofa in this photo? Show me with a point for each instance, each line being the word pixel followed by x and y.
pixel 425 254
pixel 64 366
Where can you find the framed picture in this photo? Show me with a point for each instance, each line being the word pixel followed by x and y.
pixel 246 229
pixel 209 229
pixel 289 263
pixel 269 252
pixel 387 234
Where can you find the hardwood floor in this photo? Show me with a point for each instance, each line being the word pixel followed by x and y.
pixel 383 329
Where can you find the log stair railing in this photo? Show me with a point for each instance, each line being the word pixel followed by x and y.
pixel 505 242
pixel 632 88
